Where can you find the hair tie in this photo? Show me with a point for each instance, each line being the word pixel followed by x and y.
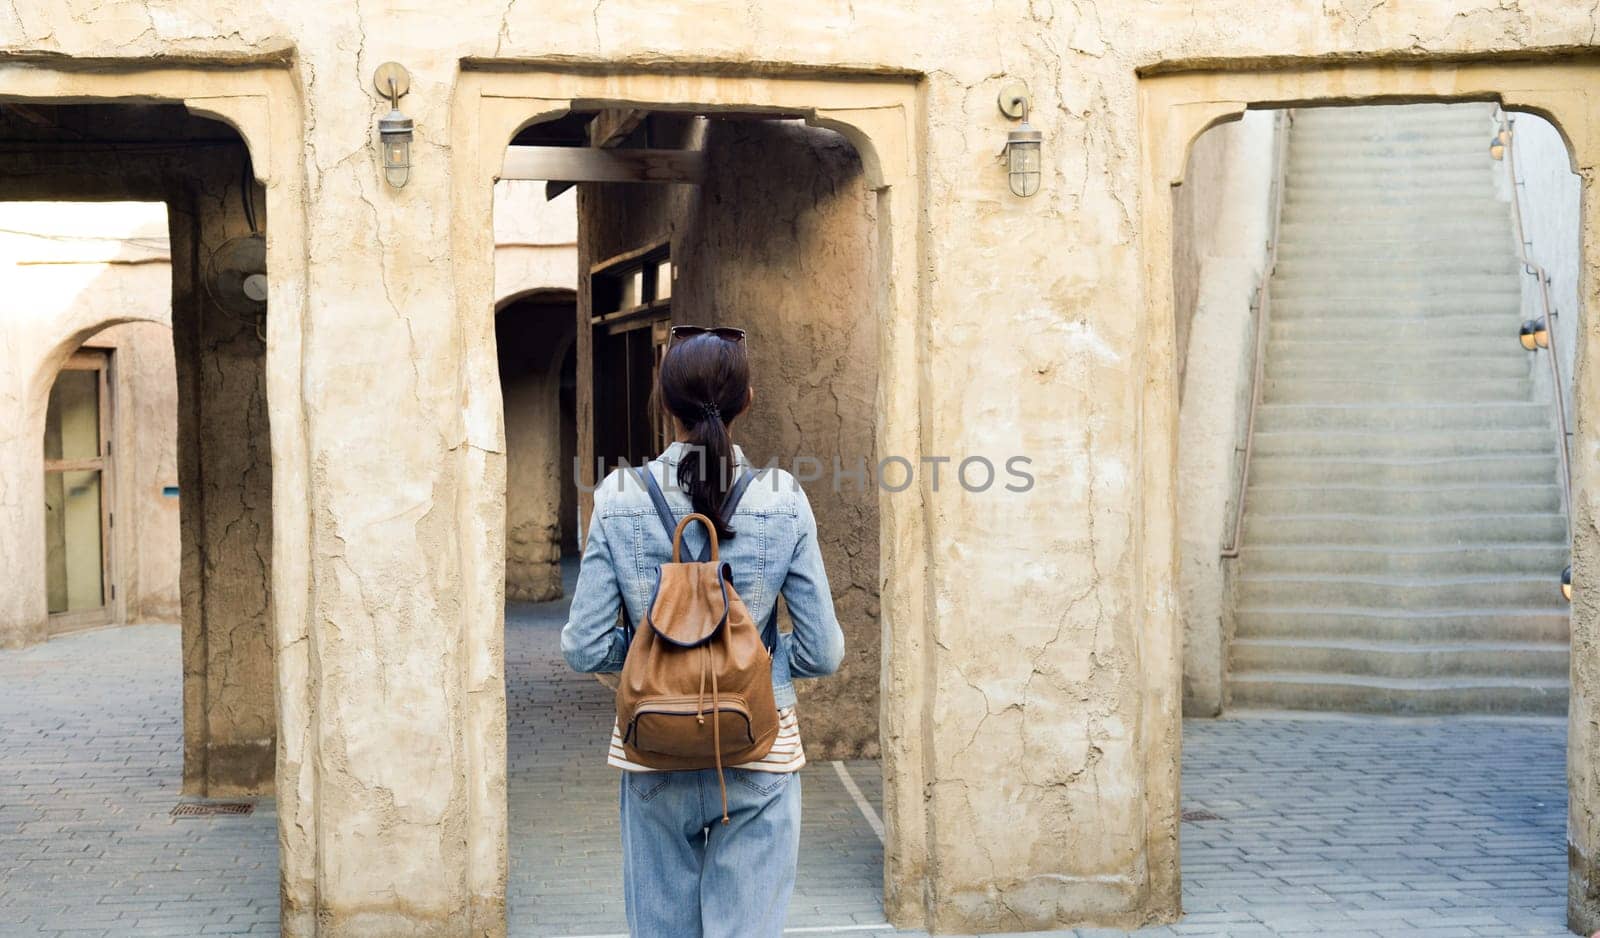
pixel 711 411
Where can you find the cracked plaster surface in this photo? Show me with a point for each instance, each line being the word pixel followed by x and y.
pixel 1033 341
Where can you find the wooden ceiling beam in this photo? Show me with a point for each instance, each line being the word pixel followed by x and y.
pixel 609 128
pixel 591 164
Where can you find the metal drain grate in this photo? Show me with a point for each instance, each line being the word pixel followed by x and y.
pixel 1195 815
pixel 211 808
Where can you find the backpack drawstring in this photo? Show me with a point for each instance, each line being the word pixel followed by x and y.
pixel 700 698
pixel 716 736
pixel 708 663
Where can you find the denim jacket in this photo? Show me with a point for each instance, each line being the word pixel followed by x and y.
pixel 774 550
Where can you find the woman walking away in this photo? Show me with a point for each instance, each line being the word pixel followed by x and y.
pixel 694 549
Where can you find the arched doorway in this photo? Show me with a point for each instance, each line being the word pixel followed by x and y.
pixel 534 341
pixel 1179 98
pixel 645 211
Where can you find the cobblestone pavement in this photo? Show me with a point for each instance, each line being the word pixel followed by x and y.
pixel 1328 827
pixel 91 763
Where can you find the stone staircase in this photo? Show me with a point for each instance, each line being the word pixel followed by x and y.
pixel 1404 536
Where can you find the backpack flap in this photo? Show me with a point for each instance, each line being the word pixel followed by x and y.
pixel 691 602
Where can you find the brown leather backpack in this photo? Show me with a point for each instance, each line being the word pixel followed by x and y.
pixel 696 687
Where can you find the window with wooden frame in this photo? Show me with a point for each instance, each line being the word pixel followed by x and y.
pixel 631 315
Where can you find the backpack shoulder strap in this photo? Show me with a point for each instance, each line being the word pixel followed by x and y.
pixel 664 511
pixel 731 503
pixel 769 629
pixel 659 499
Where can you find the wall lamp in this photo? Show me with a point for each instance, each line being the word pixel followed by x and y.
pixel 1024 145
pixel 394 128
pixel 1535 334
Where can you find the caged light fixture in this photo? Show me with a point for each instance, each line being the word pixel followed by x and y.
pixel 1535 334
pixel 394 128
pixel 1501 139
pixel 1024 145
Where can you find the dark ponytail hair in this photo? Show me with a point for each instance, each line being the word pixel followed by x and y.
pixel 705 383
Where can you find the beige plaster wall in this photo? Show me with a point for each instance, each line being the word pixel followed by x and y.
pixel 1046 636
pixel 1220 233
pixel 535 239
pixel 781 241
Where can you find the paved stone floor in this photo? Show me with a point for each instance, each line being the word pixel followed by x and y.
pixel 91 763
pixel 1328 827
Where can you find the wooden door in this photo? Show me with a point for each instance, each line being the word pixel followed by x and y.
pixel 77 496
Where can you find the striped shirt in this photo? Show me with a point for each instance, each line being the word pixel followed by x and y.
pixel 786 755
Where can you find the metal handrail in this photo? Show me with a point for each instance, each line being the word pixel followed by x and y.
pixel 1532 267
pixel 1263 311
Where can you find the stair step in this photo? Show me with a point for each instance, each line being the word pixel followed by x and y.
pixel 1519 590
pixel 1389 560
pixel 1536 441
pixel 1400 265
pixel 1329 499
pixel 1438 113
pixel 1476 181
pixel 1455 201
pixel 1368 658
pixel 1421 391
pixel 1428 358
pixel 1262 530
pixel 1424 140
pixel 1385 114
pixel 1373 250
pixel 1395 417
pixel 1420 625
pixel 1293 690
pixel 1399 160
pixel 1366 346
pixel 1373 369
pixel 1394 328
pixel 1292 468
pixel 1317 231
pixel 1398 214
pixel 1379 289
pixel 1501 305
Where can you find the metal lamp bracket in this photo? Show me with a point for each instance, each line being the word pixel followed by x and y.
pixel 392 80
pixel 1015 101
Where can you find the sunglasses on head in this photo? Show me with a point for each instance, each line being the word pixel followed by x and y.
pixel 727 333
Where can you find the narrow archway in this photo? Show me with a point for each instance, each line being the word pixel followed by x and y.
pixel 534 338
pixel 777 236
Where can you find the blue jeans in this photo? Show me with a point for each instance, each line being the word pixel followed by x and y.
pixel 685 874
